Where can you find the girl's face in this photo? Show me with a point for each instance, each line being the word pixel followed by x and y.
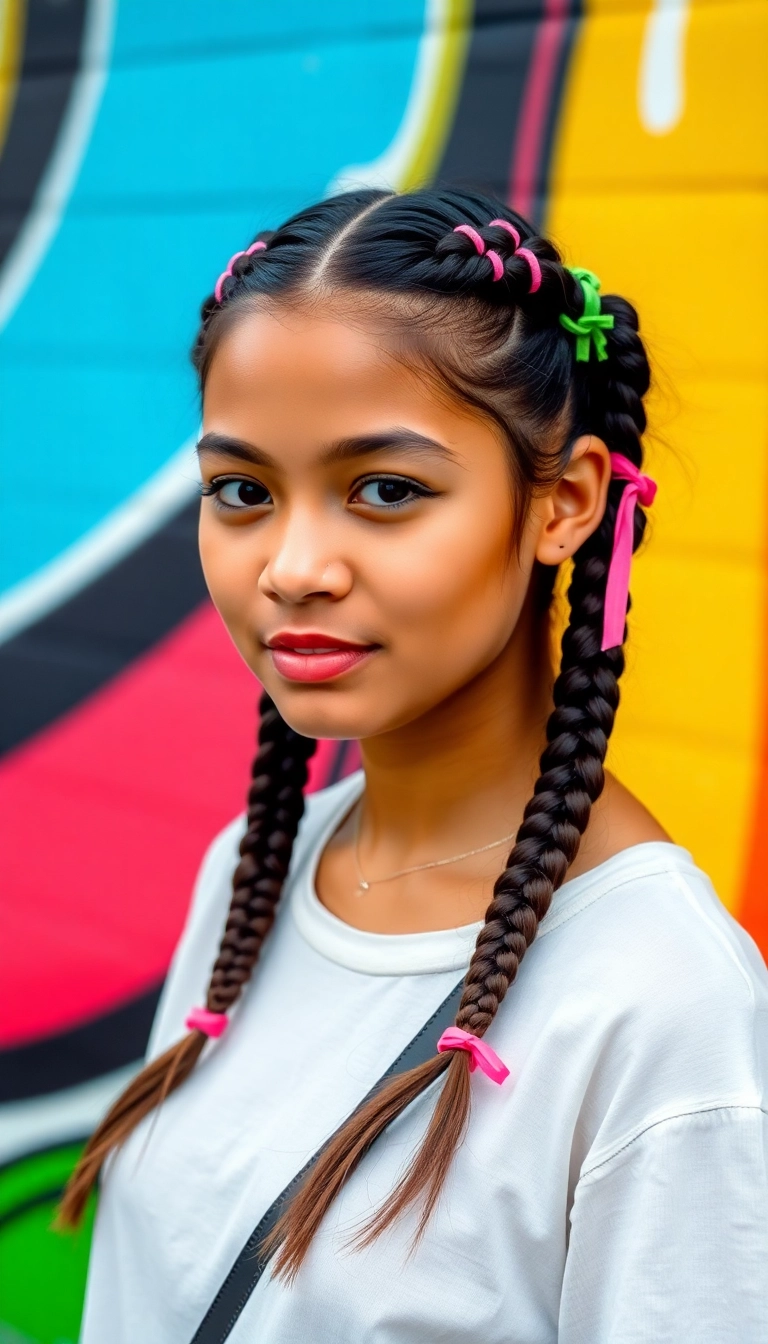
pixel 355 531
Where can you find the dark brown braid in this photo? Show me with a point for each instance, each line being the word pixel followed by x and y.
pixel 275 807
pixel 503 350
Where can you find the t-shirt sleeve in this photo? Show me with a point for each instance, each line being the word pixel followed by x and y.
pixel 669 1236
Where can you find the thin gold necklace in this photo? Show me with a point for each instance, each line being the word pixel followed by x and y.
pixel 364 884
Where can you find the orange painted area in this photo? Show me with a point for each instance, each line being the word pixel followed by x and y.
pixel 660 184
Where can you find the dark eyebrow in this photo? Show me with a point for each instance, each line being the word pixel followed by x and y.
pixel 406 440
pixel 223 445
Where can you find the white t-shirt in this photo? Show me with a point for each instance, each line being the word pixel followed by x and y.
pixel 613 1190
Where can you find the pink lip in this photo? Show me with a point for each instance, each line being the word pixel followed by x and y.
pixel 296 656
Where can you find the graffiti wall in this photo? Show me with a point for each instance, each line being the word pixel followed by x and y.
pixel 142 143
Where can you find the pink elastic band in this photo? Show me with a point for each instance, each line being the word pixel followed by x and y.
pixel 480 1054
pixel 493 257
pixel 211 1024
pixel 535 268
pixel 505 224
pixel 255 247
pixel 533 262
pixel 469 232
pixel 639 489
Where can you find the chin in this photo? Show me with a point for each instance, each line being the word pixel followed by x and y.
pixel 318 714
pixel 331 714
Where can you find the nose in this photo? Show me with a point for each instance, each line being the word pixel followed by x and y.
pixel 302 566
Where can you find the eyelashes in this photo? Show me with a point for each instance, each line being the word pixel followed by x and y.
pixel 384 492
pixel 394 492
pixel 248 494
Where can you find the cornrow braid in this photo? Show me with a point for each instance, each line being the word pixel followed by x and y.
pixel 496 342
pixel 275 807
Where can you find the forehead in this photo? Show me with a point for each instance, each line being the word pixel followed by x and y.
pixel 283 371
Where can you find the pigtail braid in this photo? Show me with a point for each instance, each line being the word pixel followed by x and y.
pixel 571 779
pixel 586 697
pixel 275 807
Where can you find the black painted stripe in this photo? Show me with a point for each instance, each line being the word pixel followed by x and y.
pixel 479 148
pixel 570 29
pixel 46 1198
pixel 481 145
pixel 51 57
pixel 90 1050
pixel 57 663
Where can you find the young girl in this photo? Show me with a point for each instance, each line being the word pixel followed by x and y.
pixel 413 414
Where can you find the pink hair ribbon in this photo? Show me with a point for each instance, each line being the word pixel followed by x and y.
pixel 480 1053
pixel 482 251
pixel 255 247
pixel 533 261
pixel 639 489
pixel 211 1024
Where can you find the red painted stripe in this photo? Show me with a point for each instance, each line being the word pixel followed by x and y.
pixel 104 818
pixel 534 109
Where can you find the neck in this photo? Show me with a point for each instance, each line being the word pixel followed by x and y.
pixel 461 774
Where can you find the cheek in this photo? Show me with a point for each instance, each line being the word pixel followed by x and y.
pixel 227 562
pixel 458 587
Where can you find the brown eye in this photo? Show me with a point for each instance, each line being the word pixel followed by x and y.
pixel 389 491
pixel 243 494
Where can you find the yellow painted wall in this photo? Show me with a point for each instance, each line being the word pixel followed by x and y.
pixel 675 220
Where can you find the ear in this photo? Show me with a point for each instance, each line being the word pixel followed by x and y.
pixel 575 507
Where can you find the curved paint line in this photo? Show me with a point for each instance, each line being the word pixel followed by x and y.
pixel 26 1127
pixel 104 819
pixel 39 230
pixel 100 549
pixel 86 1051
pixel 51 1195
pixel 97 634
pixel 412 157
pixel 12 25
pixel 661 78
pixel 535 107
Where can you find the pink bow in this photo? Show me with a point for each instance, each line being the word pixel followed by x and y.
pixel 639 489
pixel 480 1054
pixel 211 1024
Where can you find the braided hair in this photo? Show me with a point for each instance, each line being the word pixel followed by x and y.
pixel 482 315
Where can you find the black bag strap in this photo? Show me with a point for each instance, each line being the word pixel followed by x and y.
pixel 250 1264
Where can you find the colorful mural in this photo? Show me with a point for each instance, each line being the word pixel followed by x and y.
pixel 135 154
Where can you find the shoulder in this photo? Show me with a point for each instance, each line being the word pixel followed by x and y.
pixel 659 999
pixel 650 932
pixel 618 821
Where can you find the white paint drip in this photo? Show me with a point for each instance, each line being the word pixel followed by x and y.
pixel 661 82
pixel 119 533
pixel 58 180
pixel 58 1117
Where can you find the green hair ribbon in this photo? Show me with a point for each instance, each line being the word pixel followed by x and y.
pixel 590 327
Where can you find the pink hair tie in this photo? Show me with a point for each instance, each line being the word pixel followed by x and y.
pixel 533 261
pixel 255 247
pixel 211 1024
pixel 493 257
pixel 480 1054
pixel 639 489
pixel 510 228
